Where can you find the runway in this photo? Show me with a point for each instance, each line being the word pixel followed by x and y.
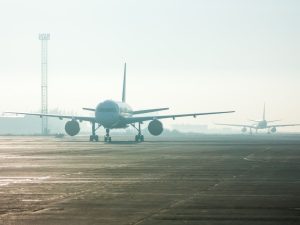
pixel 202 180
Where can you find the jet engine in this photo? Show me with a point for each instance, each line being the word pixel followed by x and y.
pixel 273 130
pixel 155 127
pixel 244 129
pixel 72 127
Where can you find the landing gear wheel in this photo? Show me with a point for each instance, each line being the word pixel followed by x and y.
pixel 139 138
pixel 94 138
pixel 107 139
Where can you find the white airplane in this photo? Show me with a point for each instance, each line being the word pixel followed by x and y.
pixel 260 125
pixel 114 114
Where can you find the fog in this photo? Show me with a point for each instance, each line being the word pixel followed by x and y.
pixel 191 56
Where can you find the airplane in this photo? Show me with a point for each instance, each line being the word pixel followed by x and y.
pixel 111 114
pixel 260 124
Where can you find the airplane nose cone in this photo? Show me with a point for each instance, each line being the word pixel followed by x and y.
pixel 107 113
pixel 108 119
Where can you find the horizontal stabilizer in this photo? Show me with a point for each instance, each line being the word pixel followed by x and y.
pixel 89 109
pixel 272 121
pixel 149 110
pixel 255 121
pixel 147 118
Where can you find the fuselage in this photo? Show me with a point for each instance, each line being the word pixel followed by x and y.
pixel 110 114
pixel 262 124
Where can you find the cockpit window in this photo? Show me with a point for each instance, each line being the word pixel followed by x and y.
pixel 106 109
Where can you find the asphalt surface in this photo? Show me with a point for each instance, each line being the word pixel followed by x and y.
pixel 202 180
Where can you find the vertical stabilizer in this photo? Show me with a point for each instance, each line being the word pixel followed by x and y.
pixel 264 113
pixel 124 85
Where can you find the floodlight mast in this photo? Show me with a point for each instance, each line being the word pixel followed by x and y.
pixel 44 37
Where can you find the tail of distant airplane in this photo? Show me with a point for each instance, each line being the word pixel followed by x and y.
pixel 124 85
pixel 264 116
pixel 264 113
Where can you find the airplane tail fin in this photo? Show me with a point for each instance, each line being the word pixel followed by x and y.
pixel 264 113
pixel 124 85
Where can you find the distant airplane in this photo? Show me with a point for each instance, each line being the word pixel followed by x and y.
pixel 113 115
pixel 260 124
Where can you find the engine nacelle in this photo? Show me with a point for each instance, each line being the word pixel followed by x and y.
pixel 273 130
pixel 72 127
pixel 155 127
pixel 244 129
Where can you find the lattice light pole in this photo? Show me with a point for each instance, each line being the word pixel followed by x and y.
pixel 44 80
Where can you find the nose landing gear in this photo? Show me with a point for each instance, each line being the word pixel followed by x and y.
pixel 107 138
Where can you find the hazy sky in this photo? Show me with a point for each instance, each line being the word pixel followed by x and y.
pixel 189 55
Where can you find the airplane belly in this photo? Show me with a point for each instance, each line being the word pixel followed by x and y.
pixel 120 123
pixel 108 120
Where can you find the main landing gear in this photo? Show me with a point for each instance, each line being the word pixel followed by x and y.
pixel 107 138
pixel 94 137
pixel 139 137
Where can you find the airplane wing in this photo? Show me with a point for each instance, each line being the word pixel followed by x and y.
pixel 147 118
pixel 236 125
pixel 80 118
pixel 283 125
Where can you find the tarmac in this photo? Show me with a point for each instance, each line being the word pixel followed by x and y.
pixel 229 179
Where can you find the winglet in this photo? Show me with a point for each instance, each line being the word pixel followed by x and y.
pixel 124 85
